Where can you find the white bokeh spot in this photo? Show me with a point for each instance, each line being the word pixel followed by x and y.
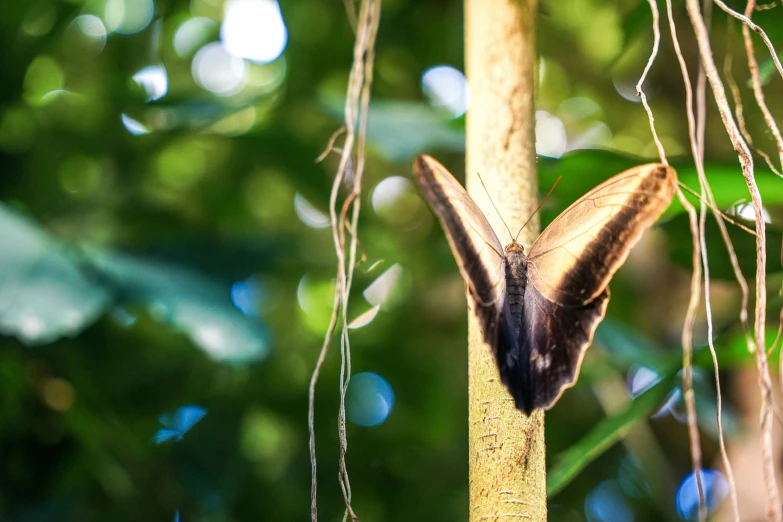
pixel 219 72
pixel 254 29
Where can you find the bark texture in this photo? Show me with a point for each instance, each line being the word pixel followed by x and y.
pixel 507 451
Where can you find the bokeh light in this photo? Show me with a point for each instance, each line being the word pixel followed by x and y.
pixel 397 202
pixel 745 210
pixel 85 37
pixel 183 163
pixel 606 503
pixel 268 441
pixel 308 214
pixel 40 18
pixel 176 425
pixel 154 80
pixel 17 130
pixel 315 299
pixel 388 191
pixel 365 318
pixel 133 126
pixel 446 87
pixel 379 291
pixel 80 175
pixel 246 296
pixel 715 487
pixel 128 16
pixel 44 76
pixel 641 380
pixel 369 400
pixel 551 137
pixel 192 34
pixel 219 72
pixel 58 394
pixel 254 29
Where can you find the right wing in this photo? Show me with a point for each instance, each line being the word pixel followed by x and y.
pixel 574 258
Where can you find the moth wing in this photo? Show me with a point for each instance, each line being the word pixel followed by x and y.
pixel 555 338
pixel 572 261
pixel 474 244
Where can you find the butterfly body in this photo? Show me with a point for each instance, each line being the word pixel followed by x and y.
pixel 539 309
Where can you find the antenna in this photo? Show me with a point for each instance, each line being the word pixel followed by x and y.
pixel 539 206
pixel 493 204
pixel 531 215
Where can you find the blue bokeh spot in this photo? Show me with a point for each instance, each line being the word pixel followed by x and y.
pixel 177 424
pixel 369 400
pixel 715 486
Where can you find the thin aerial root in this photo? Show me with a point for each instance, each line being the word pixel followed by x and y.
pixel 355 129
pixel 740 146
pixel 330 144
pixel 737 98
pixel 758 92
pixel 701 118
pixel 693 304
pixel 650 61
pixel 706 201
pixel 689 397
pixel 748 23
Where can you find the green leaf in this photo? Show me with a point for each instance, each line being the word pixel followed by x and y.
pixel 44 293
pixel 399 130
pixel 186 300
pixel 728 185
pixel 681 248
pixel 584 169
pixel 609 431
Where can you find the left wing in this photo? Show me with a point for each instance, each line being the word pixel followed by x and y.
pixel 474 244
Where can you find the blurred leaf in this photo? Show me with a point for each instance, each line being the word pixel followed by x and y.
pixel 47 293
pixel 401 129
pixel 681 248
pixel 44 295
pixel 728 185
pixel 610 430
pixel 186 300
pixel 584 169
pixel 767 70
pixel 626 347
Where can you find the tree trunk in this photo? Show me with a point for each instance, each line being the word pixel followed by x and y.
pixel 507 451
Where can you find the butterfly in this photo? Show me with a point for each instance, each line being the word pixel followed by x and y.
pixel 539 309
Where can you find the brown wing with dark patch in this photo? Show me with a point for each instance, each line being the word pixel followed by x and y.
pixel 556 339
pixel 573 260
pixel 474 244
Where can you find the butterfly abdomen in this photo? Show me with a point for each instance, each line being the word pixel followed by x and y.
pixel 516 280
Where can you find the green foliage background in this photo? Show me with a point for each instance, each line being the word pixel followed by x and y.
pixel 118 254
